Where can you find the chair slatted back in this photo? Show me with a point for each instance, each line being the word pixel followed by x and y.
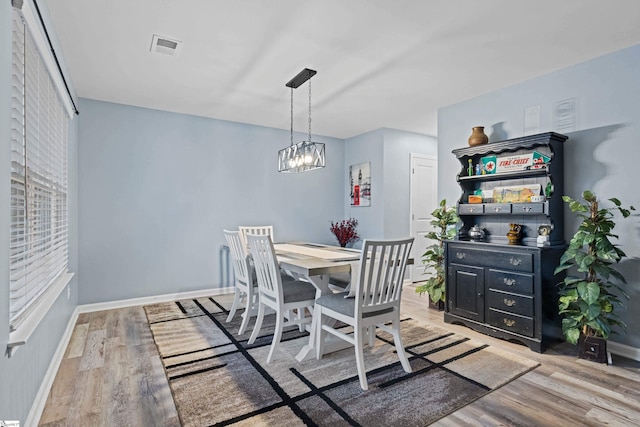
pixel 266 266
pixel 259 230
pixel 382 268
pixel 238 255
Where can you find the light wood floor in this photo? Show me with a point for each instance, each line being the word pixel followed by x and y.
pixel 111 375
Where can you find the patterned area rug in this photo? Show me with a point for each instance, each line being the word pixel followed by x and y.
pixel 218 379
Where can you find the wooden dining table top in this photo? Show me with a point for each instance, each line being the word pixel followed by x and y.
pixel 313 259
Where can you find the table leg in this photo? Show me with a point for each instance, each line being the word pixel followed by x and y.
pixel 322 287
pixel 309 350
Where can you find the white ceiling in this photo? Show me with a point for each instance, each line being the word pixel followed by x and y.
pixel 380 63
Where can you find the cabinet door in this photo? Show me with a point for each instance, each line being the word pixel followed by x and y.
pixel 465 291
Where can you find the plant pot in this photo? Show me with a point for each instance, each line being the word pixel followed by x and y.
pixel 592 348
pixel 438 306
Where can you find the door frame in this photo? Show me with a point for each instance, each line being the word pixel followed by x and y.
pixel 412 230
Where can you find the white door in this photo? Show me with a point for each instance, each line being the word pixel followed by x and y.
pixel 424 195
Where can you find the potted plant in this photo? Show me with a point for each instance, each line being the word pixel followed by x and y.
pixel 345 231
pixel 587 302
pixel 444 218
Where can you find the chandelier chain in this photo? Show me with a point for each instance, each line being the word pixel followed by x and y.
pixel 309 82
pixel 292 116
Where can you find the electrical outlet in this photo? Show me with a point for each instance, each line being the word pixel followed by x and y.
pixel 68 292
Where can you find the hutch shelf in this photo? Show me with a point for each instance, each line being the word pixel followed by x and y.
pixel 493 285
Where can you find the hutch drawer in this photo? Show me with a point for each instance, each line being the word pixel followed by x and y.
pixel 497 208
pixel 471 208
pixel 506 259
pixel 512 303
pixel 527 208
pixel 511 282
pixel 511 322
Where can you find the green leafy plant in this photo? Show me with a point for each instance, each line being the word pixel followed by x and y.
pixel 587 302
pixel 443 219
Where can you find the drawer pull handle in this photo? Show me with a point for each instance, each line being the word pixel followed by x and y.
pixel 509 302
pixel 509 282
pixel 509 322
pixel 526 208
pixel 515 261
pixel 460 255
pixel 498 209
pixel 472 209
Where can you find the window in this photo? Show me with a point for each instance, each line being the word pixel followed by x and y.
pixel 39 213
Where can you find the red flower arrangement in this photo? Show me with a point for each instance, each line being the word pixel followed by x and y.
pixel 345 231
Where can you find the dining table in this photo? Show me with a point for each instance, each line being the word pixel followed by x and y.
pixel 317 263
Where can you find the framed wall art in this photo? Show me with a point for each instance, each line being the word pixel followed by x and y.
pixel 360 184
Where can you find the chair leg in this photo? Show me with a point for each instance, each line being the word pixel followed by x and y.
pixel 234 305
pixel 258 325
pixel 277 335
pixel 320 333
pixel 245 320
pixel 362 373
pixel 399 347
pixel 372 335
pixel 300 318
pixel 250 310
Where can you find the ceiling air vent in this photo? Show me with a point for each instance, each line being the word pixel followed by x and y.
pixel 165 45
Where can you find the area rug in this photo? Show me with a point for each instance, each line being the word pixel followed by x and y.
pixel 217 379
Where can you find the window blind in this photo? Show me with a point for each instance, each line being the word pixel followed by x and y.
pixel 39 214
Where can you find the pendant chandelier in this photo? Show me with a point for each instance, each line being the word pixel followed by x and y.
pixel 306 155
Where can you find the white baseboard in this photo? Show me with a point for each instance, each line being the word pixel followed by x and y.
pixel 43 392
pixel 624 350
pixel 88 308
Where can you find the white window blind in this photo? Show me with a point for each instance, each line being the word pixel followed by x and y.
pixel 39 214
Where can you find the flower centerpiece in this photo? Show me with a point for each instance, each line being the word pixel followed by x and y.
pixel 345 231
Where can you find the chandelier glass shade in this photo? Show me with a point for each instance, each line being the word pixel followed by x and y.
pixel 306 155
pixel 301 157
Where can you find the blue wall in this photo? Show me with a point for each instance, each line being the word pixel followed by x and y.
pixel 398 147
pixel 158 188
pixel 368 147
pixel 602 152
pixel 389 152
pixel 22 374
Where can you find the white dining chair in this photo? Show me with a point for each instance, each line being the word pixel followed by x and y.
pixel 260 230
pixel 375 302
pixel 245 284
pixel 295 295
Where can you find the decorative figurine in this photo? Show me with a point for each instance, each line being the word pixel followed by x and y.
pixel 548 190
pixel 515 234
pixel 543 235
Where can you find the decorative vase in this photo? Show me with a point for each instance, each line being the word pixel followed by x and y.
pixel 478 136
pixel 476 233
pixel 515 234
